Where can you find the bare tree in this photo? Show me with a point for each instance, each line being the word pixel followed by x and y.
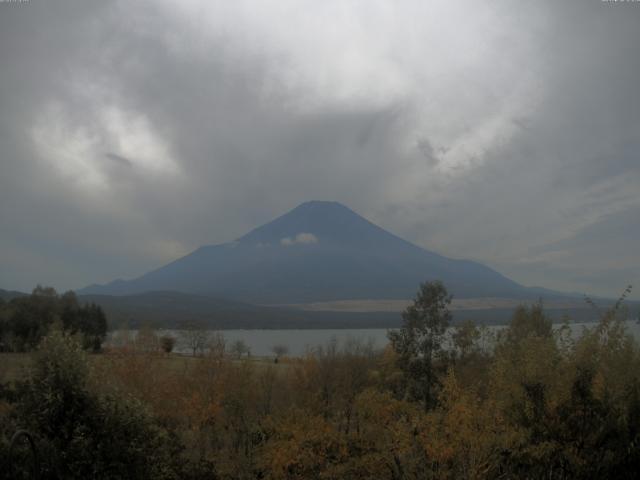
pixel 195 336
pixel 121 338
pixel 239 347
pixel 280 350
pixel 217 345
pixel 146 340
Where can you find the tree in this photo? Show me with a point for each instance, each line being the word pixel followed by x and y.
pixel 29 318
pixel 167 342
pixel 280 350
pixel 465 337
pixel 85 434
pixel 89 320
pixel 195 336
pixel 529 321
pixel 32 316
pixel 217 345
pixel 93 325
pixel 418 344
pixel 147 340
pixel 4 327
pixel 239 347
pixel 121 338
pixel 70 312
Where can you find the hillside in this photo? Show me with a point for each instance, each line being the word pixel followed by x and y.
pixel 173 309
pixel 7 295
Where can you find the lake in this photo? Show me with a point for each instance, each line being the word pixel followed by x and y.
pixel 298 342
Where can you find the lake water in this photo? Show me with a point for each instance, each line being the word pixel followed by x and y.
pixel 298 342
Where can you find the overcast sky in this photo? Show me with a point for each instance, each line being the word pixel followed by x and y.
pixel 505 132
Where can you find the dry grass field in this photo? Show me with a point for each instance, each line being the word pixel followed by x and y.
pixel 14 365
pixel 389 305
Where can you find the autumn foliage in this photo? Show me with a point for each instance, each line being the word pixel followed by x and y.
pixel 531 402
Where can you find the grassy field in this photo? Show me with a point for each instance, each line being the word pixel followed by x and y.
pixel 14 365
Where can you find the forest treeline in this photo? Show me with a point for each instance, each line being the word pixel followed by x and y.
pixel 534 402
pixel 25 320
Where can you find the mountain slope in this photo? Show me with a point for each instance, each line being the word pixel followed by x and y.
pixel 173 310
pixel 316 252
pixel 8 295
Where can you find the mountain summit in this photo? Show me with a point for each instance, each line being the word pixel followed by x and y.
pixel 332 222
pixel 318 251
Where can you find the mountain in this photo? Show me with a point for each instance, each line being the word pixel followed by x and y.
pixel 173 309
pixel 7 295
pixel 318 251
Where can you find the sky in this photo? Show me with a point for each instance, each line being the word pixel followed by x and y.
pixel 132 133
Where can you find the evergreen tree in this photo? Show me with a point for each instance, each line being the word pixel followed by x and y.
pixel 418 344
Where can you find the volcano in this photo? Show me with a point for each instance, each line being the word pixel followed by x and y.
pixel 319 251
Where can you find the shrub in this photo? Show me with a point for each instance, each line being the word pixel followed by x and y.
pixel 83 434
pixel 167 343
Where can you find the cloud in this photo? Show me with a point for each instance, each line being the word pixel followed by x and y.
pixel 300 239
pixel 73 147
pixel 119 159
pixel 132 134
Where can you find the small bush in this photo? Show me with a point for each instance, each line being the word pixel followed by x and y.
pixel 167 343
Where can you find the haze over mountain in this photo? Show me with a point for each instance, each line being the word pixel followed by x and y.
pixel 7 295
pixel 318 251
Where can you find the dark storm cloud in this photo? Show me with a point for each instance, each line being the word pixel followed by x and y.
pixel 132 134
